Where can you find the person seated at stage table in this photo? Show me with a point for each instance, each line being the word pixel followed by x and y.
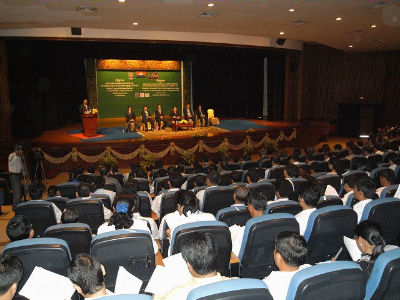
pixel 188 114
pixel 84 108
pixel 146 119
pixel 175 115
pixel 201 117
pixel 159 118
pixel 130 118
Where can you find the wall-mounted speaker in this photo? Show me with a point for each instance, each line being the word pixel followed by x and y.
pixel 280 42
pixel 76 30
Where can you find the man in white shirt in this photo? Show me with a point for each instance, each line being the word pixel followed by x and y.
pixel 289 256
pixel 386 178
pixel 36 191
pixel 364 191
pixel 240 196
pixel 174 183
pixel 84 193
pixel 253 176
pixel 200 254
pixel 256 204
pixel 105 173
pixel 15 169
pixel 11 270
pixel 275 163
pixel 349 182
pixel 99 182
pixel 308 199
pixel 283 189
pixel 212 180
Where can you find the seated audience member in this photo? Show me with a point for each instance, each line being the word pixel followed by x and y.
pixel 199 252
pixel 253 176
pixel 386 178
pixel 289 255
pixel 213 179
pixel 36 191
pixel 199 181
pixel 136 214
pixel 105 173
pixel 240 195
pixel 11 270
pixel 348 186
pixel 308 198
pixel 283 189
pixel 337 148
pixel 256 204
pixel 99 183
pixel 84 192
pixel 53 191
pixel 174 184
pixel 70 215
pixel 291 171
pixel 364 192
pixel 87 275
pixel 19 228
pixel 187 212
pixel 393 160
pixel 275 161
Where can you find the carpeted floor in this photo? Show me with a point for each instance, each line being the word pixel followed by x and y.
pixel 107 134
pixel 239 124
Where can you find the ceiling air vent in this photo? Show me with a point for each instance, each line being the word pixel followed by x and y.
pixel 86 9
pixel 208 14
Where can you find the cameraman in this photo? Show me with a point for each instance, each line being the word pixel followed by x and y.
pixel 15 169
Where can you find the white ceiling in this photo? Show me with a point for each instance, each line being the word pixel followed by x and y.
pixel 253 18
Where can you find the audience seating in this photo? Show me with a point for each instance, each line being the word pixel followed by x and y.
pixel 191 180
pixel 226 178
pixel 386 212
pixel 265 163
pixel 60 202
pixel 216 198
pixel 90 212
pixel 351 200
pixel 276 172
pixel 105 199
pixel 131 249
pixel 127 297
pixel 218 230
pixel 330 179
pixel 145 204
pixel 297 184
pixel 389 191
pixel 325 230
pixel 318 174
pixel 49 253
pixel 256 252
pixel 40 213
pixel 168 203
pixel 375 175
pixel 330 202
pixel 199 188
pixel 119 177
pixel 384 282
pixel 250 164
pixel 233 289
pixel 289 207
pixel 68 189
pixel 86 177
pixel 77 235
pixel 232 215
pixel 158 183
pixel 342 280
pixel 264 187
pixel 110 186
pixel 142 184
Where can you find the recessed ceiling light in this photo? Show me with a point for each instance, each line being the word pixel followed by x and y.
pixel 121 1
pixel 135 23
pixel 338 19
pixel 350 46
pixel 373 26
pixel 210 4
pixel 291 9
pixel 281 33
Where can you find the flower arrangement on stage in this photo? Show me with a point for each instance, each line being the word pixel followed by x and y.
pixel 107 160
pixel 149 160
pixel 183 122
pixel 95 111
pixel 247 149
pixel 188 157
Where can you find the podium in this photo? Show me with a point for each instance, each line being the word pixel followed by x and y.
pixel 90 124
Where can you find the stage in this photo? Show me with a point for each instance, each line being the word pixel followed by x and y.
pixel 66 148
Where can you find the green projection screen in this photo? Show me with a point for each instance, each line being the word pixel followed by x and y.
pixel 116 90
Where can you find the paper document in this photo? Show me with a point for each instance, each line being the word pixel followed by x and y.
pixel 351 246
pixel 127 283
pixel 46 285
pixel 338 253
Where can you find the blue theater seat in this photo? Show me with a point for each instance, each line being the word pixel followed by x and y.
pixel 232 215
pixel 289 207
pixel 216 198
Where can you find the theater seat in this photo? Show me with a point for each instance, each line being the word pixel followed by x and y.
pixel 333 200
pixel 342 280
pixel 68 189
pixel 131 249
pixel 49 253
pixel 256 251
pixel 126 297
pixel 158 183
pixel 389 191
pixel 250 164
pixel 77 235
pixel 288 207
pixel 167 203
pixel 105 199
pixel 191 180
pixel 144 204
pixel 325 230
pixel 234 289
pixel 216 198
pixel 276 172
pixel 375 175
pixel 264 187
pixel 142 184
pixel 40 213
pixel 220 233
pixel 330 179
pixel 90 212
pixel 386 213
pixel 232 215
pixel 60 202
pixel 384 282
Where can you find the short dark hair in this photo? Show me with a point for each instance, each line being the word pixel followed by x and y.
pixel 214 177
pixel 258 200
pixel 200 180
pixel 242 192
pixel 388 174
pixel 36 190
pixel 11 270
pixel 284 187
pixel 85 271
pixel 198 249
pixel 175 179
pixel 140 173
pixel 367 186
pixel 103 171
pixel 292 247
pixel 18 228
pixel 310 192
pixel 52 191
pixel 236 176
pixel 91 169
pixel 253 174
pixel 292 170
pixel 99 182
pixel 84 190
pixel 188 200
pixel 70 215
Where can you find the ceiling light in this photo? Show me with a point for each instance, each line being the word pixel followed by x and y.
pixel 210 4
pixel 121 1
pixel 350 46
pixel 86 9
pixel 281 33
pixel 373 26
pixel 338 19
pixel 135 23
pixel 291 9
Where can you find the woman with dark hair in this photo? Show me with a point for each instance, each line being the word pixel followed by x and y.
pixel 188 211
pixel 122 218
pixel 370 242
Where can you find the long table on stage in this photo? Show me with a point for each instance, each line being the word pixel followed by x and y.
pixel 90 124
